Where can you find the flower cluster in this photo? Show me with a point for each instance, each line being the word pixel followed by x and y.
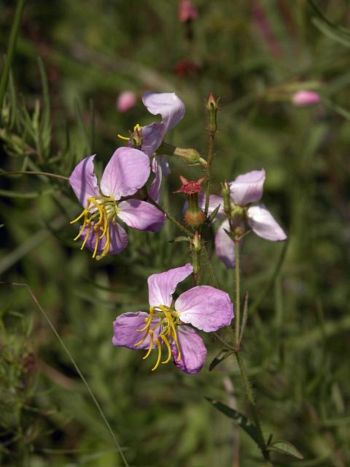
pixel 128 195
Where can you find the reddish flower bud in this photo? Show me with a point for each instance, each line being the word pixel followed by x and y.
pixel 187 11
pixel 190 187
pixel 194 216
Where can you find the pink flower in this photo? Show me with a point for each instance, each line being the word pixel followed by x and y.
pixel 165 326
pixel 244 190
pixel 105 206
pixel 126 101
pixel 187 11
pixel 305 98
pixel 172 110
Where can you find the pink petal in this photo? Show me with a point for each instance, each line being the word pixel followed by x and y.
pixel 193 351
pixel 161 286
pixel 168 105
pixel 83 180
pixel 126 172
pixel 141 215
pixel 224 247
pixel 247 188
pixel 118 240
pixel 152 137
pixel 264 225
pixel 126 330
pixel 205 307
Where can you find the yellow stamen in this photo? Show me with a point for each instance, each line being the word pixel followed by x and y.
pixel 98 214
pixel 150 346
pixel 161 333
pixel 123 138
pixel 159 357
pixel 166 342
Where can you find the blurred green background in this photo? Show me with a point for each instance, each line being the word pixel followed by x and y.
pixel 72 60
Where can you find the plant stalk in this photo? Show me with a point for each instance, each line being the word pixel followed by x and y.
pixel 10 51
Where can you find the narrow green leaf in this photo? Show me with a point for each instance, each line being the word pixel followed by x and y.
pixel 238 418
pixel 331 32
pixel 10 50
pixel 221 356
pixel 213 214
pixel 287 448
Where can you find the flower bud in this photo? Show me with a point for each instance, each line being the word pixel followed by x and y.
pixel 305 98
pixel 191 155
pixel 212 107
pixel 194 216
pixel 187 11
pixel 227 199
pixel 126 101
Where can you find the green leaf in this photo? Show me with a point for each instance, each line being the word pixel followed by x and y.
pixel 328 28
pixel 221 356
pixel 287 448
pixel 238 418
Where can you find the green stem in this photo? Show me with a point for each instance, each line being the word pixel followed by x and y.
pixel 171 218
pixel 32 172
pixel 250 396
pixel 237 320
pixel 211 139
pixel 241 365
pixel 10 50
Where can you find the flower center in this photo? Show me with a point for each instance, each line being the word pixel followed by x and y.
pixel 135 136
pixel 99 212
pixel 160 327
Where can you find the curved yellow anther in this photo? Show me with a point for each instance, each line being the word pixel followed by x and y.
pixel 123 138
pixel 166 342
pixel 159 357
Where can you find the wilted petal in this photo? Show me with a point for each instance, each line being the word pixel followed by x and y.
pixel 224 247
pixel 161 286
pixel 126 172
pixel 118 240
pixel 193 351
pixel 264 225
pixel 205 307
pixel 168 105
pixel 83 180
pixel 247 188
pixel 141 215
pixel 127 330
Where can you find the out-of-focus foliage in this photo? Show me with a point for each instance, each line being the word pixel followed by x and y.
pixel 60 108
